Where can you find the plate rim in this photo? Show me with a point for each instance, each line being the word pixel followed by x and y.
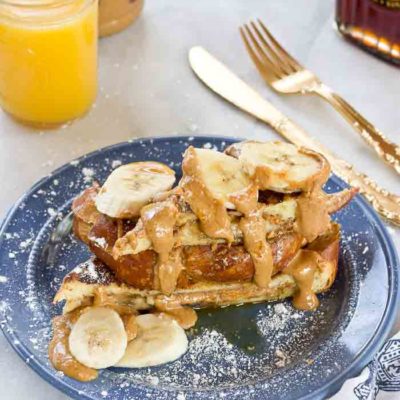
pixel 329 388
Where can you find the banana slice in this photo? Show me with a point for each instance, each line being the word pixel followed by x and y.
pixel 279 166
pixel 222 175
pixel 159 340
pixel 131 186
pixel 98 338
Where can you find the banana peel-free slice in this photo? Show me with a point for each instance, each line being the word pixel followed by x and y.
pixel 129 187
pixel 98 338
pixel 221 175
pixel 281 167
pixel 159 340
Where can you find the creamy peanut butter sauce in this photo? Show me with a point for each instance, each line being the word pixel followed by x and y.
pixel 130 324
pixel 59 353
pixel 103 298
pixel 312 214
pixel 254 234
pixel 169 270
pixel 303 268
pixel 176 191
pixel 213 216
pixel 159 221
pixel 185 316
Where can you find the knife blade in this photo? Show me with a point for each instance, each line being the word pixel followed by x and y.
pixel 215 75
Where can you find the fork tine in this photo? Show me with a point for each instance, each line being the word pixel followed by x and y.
pixel 294 63
pixel 265 60
pixel 276 58
pixel 265 72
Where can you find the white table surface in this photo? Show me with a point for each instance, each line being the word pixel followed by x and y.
pixel 147 88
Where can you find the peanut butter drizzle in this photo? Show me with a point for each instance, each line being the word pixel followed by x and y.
pixel 159 221
pixel 213 216
pixel 102 298
pixel 59 353
pixel 312 214
pixel 169 270
pixel 254 232
pixel 302 268
pixel 131 327
pixel 185 316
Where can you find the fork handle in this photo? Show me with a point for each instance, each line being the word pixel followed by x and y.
pixel 390 152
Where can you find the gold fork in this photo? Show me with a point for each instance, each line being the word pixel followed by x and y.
pixel 286 75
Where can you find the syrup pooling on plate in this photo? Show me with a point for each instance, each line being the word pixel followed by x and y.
pixel 248 249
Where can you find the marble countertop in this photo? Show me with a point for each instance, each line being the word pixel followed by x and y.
pixel 148 89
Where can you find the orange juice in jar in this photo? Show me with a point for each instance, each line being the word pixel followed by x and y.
pixel 48 59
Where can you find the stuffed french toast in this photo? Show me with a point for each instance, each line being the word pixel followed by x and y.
pixel 251 224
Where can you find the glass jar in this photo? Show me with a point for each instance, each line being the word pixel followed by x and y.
pixel 116 15
pixel 48 53
pixel 372 24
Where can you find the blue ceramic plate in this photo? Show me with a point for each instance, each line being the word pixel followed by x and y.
pixel 256 351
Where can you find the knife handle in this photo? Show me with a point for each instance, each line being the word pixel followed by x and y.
pixel 385 203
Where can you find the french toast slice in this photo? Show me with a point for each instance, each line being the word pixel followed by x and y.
pixel 214 261
pixel 84 283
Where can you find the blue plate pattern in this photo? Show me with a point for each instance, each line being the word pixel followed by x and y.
pixel 295 354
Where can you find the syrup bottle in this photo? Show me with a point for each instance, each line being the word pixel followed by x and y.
pixel 372 24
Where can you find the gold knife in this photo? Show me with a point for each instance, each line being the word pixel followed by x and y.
pixel 224 82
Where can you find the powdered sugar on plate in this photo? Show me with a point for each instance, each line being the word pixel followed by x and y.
pixel 88 174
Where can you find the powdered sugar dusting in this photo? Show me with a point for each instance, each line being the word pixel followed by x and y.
pixel 88 174
pixel 101 242
pixel 210 146
pixel 116 163
pixel 88 272
pixel 279 320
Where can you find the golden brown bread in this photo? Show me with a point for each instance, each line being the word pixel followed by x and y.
pixel 203 263
pixel 220 263
pixel 84 283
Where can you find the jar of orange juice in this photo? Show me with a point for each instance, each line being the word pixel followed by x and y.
pixel 48 59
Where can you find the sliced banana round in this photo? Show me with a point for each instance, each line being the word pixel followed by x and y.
pixel 129 187
pixel 279 166
pixel 222 175
pixel 98 338
pixel 159 340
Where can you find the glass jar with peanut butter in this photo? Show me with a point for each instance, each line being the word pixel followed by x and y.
pixel 116 15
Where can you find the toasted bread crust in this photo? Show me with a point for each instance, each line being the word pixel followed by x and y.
pixel 220 263
pixel 202 263
pixel 79 287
